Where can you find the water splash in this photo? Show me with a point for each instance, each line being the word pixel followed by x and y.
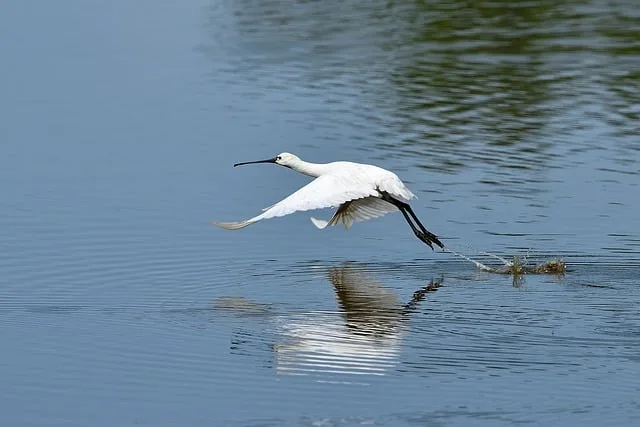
pixel 504 261
pixel 516 267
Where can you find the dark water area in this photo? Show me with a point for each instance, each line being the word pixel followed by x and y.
pixel 517 125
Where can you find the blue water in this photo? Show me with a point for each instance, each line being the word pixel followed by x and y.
pixel 515 124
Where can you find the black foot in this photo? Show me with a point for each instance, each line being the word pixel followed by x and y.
pixel 429 238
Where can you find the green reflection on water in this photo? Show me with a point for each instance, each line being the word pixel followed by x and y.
pixel 510 86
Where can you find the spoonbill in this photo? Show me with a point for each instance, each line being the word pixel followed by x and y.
pixel 359 191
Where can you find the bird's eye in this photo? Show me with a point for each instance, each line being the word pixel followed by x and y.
pixel 279 158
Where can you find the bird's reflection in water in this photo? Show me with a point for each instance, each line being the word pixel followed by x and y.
pixel 364 337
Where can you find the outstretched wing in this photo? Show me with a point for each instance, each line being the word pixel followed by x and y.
pixel 357 210
pixel 323 192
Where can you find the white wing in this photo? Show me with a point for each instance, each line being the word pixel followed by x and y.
pixel 323 192
pixel 357 210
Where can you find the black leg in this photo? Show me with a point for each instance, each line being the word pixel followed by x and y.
pixel 417 232
pixel 423 234
pixel 427 233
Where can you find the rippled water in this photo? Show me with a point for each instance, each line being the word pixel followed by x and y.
pixel 516 124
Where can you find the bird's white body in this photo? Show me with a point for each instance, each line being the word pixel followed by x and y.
pixel 355 188
pixel 359 191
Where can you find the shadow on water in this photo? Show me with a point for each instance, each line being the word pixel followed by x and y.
pixel 480 325
pixel 363 336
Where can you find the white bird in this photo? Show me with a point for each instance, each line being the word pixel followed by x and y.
pixel 359 191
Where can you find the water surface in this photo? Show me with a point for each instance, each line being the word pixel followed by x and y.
pixel 515 124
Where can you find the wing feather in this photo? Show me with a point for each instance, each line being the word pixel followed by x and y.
pixel 356 211
pixel 323 192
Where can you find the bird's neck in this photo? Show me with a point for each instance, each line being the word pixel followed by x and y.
pixel 311 169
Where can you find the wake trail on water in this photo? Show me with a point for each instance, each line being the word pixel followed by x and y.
pixel 478 264
pixel 516 267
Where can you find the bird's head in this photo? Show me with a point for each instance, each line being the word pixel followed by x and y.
pixel 286 159
pixel 282 159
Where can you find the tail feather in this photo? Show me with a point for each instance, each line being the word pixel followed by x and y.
pixel 321 224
